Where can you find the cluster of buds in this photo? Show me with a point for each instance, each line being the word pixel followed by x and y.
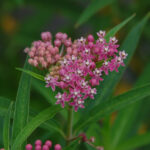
pixel 46 146
pixel 43 53
pixel 38 146
pixel 80 67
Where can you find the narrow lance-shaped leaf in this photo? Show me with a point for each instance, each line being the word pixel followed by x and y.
pixel 113 104
pixel 92 8
pixel 21 112
pixel 6 129
pixel 47 93
pixel 127 118
pixel 48 125
pixel 114 30
pixel 33 74
pixel 33 124
pixel 4 105
pixel 135 142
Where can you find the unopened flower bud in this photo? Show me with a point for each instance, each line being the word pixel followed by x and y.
pixel 57 147
pixel 28 147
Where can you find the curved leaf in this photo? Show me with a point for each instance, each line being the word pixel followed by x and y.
pixel 47 93
pixel 122 126
pixel 33 124
pixel 48 125
pixel 21 112
pixel 114 30
pixel 33 74
pixel 114 104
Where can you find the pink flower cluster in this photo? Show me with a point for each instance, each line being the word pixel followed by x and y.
pixel 44 53
pixel 46 146
pixel 78 73
pixel 76 67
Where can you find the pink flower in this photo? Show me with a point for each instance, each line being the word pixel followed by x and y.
pixel 77 103
pixel 51 82
pixel 62 98
pixel 90 93
pixel 76 67
pixel 101 33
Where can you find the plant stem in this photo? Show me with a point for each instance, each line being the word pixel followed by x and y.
pixel 70 123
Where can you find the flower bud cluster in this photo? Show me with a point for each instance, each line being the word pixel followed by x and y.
pixel 44 53
pixel 47 146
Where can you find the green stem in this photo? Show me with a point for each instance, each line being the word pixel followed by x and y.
pixel 70 123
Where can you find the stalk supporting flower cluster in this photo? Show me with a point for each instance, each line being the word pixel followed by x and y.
pixel 70 124
pixel 76 67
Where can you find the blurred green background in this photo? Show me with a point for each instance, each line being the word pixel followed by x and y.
pixel 22 21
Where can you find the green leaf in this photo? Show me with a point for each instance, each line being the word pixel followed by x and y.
pixel 112 105
pixel 4 105
pixel 73 145
pixel 48 125
pixel 89 147
pixel 135 142
pixel 114 30
pixel 21 112
pixel 7 127
pixel 33 124
pixel 122 125
pixel 33 74
pixel 47 93
pixel 93 7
